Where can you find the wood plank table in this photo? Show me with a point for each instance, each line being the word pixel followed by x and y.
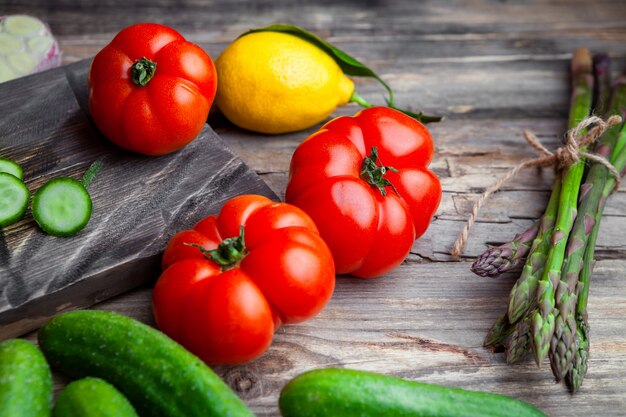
pixel 493 68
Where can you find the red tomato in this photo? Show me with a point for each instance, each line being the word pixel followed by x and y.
pixel 368 213
pixel 262 264
pixel 150 90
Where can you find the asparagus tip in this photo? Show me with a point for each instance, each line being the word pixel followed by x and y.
pixel 601 63
pixel 582 61
pixel 488 264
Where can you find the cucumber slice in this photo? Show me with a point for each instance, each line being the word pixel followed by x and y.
pixel 22 62
pixel 6 73
pixel 23 25
pixel 10 167
pixel 13 199
pixel 62 207
pixel 9 44
pixel 40 44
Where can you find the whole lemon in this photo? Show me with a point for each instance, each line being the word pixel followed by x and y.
pixel 273 82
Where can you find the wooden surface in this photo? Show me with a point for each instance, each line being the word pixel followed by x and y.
pixel 493 68
pixel 139 202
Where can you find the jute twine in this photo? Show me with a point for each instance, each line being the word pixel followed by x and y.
pixel 567 155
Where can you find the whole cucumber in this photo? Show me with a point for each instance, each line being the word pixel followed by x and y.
pixel 349 393
pixel 25 380
pixel 157 375
pixel 92 397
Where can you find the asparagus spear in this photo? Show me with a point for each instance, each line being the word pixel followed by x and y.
pixel 497 260
pixel 523 293
pixel 564 340
pixel 498 333
pixel 519 343
pixel 543 319
pixel 576 374
pixel 602 73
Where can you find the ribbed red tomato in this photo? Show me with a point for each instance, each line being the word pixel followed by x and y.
pixel 261 264
pixel 365 182
pixel 151 90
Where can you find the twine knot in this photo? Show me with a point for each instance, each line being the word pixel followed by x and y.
pixel 570 153
pixel 575 139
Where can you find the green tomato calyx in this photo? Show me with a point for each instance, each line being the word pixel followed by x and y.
pixel 142 71
pixel 229 252
pixel 374 174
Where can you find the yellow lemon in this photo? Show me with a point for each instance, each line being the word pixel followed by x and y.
pixel 273 82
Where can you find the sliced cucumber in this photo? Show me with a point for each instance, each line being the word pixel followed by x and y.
pixel 26 46
pixel 22 25
pixel 22 62
pixel 9 44
pixel 13 199
pixel 10 167
pixel 40 44
pixel 62 207
pixel 6 72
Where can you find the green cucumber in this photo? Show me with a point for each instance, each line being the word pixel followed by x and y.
pixel 14 196
pixel 157 375
pixel 92 397
pixel 25 380
pixel 349 393
pixel 10 167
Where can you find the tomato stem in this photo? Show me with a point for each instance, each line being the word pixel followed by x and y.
pixel 356 98
pixel 142 71
pixel 420 117
pixel 228 253
pixel 91 173
pixel 374 174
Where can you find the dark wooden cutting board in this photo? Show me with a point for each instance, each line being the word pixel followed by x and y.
pixel 139 201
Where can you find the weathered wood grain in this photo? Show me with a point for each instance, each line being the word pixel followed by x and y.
pixel 493 68
pixel 139 202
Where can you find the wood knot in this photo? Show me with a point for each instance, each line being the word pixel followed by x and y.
pixel 243 382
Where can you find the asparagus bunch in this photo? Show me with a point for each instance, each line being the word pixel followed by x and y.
pixel 522 300
pixel 547 312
